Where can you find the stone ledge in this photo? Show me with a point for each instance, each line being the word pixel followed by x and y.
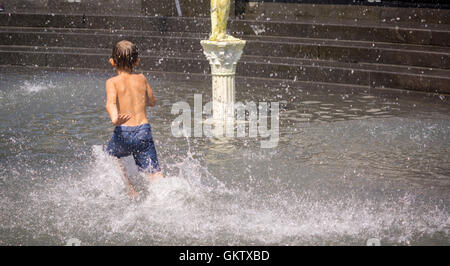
pixel 296 11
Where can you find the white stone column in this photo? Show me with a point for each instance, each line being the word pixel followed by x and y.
pixel 223 57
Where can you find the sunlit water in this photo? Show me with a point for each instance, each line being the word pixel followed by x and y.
pixel 350 165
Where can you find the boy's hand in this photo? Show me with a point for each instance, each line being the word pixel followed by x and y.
pixel 121 118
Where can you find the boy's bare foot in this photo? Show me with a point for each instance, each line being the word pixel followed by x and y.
pixel 154 176
pixel 132 193
pixel 157 175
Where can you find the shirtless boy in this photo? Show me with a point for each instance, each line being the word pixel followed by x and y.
pixel 127 96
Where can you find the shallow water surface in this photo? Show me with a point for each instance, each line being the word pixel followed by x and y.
pixel 350 165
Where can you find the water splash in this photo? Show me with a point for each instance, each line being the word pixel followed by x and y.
pixel 328 183
pixel 191 206
pixel 33 87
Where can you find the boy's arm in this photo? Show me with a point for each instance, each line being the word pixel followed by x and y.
pixel 111 105
pixel 150 97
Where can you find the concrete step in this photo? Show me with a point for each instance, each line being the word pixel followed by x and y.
pixel 275 68
pixel 436 11
pixel 367 54
pixel 290 47
pixel 408 33
pixel 429 11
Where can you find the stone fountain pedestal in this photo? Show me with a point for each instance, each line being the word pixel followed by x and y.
pixel 223 57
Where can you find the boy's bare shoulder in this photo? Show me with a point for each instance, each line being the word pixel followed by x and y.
pixel 142 77
pixel 111 81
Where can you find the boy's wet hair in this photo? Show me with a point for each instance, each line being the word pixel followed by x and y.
pixel 125 54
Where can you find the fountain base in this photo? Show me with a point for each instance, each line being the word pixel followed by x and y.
pixel 223 57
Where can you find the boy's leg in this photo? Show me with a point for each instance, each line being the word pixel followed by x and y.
pixel 153 176
pixel 117 149
pixel 130 189
pixel 147 162
pixel 145 155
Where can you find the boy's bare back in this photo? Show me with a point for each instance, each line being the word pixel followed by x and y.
pixel 129 94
